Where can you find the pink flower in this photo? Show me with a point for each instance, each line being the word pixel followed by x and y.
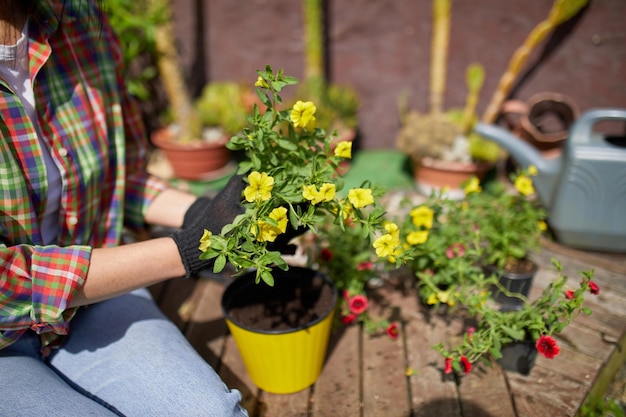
pixel 593 287
pixel 326 255
pixel 392 330
pixel 569 294
pixel 357 304
pixel 348 319
pixel 365 266
pixel 547 346
pixel 470 332
pixel 466 364
pixel 455 250
pixel 448 367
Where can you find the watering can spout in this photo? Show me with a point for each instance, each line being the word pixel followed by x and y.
pixel 526 155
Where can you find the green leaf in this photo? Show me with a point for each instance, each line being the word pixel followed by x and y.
pixel 513 333
pixel 267 277
pixel 219 264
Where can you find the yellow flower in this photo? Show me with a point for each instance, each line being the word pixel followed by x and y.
pixel 360 197
pixel 385 245
pixel 344 150
pixel 432 299
pixel 260 82
pixel 260 188
pixel 205 241
pixel 543 226
pixel 392 229
pixel 417 237
pixel 311 193
pixel 302 115
pixel 444 297
pixel 327 192
pixel 524 185
pixel 280 215
pixel 422 216
pixel 532 170
pixel 473 186
pixel 265 232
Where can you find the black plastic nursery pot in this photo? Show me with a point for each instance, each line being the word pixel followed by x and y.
pixel 282 332
pixel 517 283
pixel 518 356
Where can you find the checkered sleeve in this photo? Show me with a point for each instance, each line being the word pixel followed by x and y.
pixel 141 187
pixel 38 283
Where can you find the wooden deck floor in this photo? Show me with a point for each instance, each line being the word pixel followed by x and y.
pixel 366 376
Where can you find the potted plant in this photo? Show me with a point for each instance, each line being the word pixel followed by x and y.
pixel 508 224
pixel 514 337
pixel 278 196
pixel 435 241
pixel 346 256
pixel 442 143
pixel 195 139
pixel 199 150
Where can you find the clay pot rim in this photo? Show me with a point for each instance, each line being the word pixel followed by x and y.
pixel 161 138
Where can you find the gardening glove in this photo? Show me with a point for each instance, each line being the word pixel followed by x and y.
pixel 212 215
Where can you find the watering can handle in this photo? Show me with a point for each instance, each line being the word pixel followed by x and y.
pixel 581 132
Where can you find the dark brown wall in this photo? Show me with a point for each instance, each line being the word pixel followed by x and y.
pixel 382 49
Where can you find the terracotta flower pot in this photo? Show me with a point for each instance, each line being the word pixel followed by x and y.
pixel 281 355
pixel 433 174
pixel 193 161
pixel 543 121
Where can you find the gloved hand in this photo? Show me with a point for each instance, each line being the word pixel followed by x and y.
pixel 211 214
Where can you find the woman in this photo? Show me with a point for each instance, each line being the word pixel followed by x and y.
pixel 79 335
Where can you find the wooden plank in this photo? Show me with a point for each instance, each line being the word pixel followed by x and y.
pixel 171 296
pixel 281 405
pixel 338 390
pixel 385 385
pixel 544 386
pixel 615 262
pixel 484 393
pixel 433 393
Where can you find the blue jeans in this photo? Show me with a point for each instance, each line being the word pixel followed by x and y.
pixel 123 357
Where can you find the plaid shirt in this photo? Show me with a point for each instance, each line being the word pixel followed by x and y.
pixel 96 137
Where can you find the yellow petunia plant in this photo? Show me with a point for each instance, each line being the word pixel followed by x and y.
pixel 292 181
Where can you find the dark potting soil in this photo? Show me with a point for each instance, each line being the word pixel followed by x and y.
pixel 293 302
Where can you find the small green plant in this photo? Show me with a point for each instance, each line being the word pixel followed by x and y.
pixel 536 321
pixel 346 256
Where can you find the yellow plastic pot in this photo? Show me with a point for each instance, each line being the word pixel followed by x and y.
pixel 285 360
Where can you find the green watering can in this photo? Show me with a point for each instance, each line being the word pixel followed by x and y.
pixel 583 189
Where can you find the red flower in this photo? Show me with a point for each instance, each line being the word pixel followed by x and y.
pixel 357 304
pixel 326 255
pixel 365 266
pixel 548 347
pixel 392 330
pixel 448 367
pixel 466 364
pixel 569 294
pixel 455 250
pixel 593 287
pixel 348 319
